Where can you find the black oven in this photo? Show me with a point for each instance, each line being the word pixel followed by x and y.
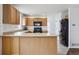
pixel 37 26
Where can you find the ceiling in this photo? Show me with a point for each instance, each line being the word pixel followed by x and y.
pixel 43 9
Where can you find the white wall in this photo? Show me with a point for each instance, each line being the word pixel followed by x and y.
pixel 64 13
pixel 58 19
pixel 21 19
pixel 51 24
pixel 74 27
pixel 0 13
pixel 0 29
pixel 10 27
pixel 54 22
pixel 1 19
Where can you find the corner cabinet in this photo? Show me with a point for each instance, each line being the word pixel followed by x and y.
pixel 13 45
pixel 10 15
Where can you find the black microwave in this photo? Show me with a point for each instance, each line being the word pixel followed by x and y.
pixel 37 23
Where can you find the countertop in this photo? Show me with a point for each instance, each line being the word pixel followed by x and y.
pixel 26 34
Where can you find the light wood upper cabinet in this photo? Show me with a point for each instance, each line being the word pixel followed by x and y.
pixel 13 15
pixel 44 21
pixel 6 14
pixel 29 21
pixel 10 15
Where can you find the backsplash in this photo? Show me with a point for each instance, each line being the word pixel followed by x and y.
pixel 10 27
pixel 32 27
pixel 1 30
pixel 0 22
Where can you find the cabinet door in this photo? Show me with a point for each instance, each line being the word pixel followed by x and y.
pixel 6 14
pixel 15 45
pixel 13 16
pixel 6 47
pixel 10 45
pixel 43 20
pixel 10 15
pixel 38 46
pixel 30 21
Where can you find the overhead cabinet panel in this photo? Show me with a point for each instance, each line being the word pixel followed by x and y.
pixel 10 15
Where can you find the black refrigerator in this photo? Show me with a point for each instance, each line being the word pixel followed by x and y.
pixel 64 32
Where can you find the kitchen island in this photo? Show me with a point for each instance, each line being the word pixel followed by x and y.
pixel 22 43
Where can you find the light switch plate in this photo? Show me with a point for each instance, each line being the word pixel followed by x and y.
pixel 73 24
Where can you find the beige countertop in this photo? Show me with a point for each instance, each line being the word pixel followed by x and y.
pixel 24 33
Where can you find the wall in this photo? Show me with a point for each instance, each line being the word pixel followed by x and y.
pixel 10 27
pixel 0 29
pixel 64 13
pixel 51 24
pixel 0 13
pixel 21 19
pixel 0 19
pixel 54 22
pixel 74 27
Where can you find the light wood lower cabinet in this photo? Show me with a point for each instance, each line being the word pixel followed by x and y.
pixel 10 45
pixel 15 45
pixel 6 49
pixel 38 46
pixel 30 45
